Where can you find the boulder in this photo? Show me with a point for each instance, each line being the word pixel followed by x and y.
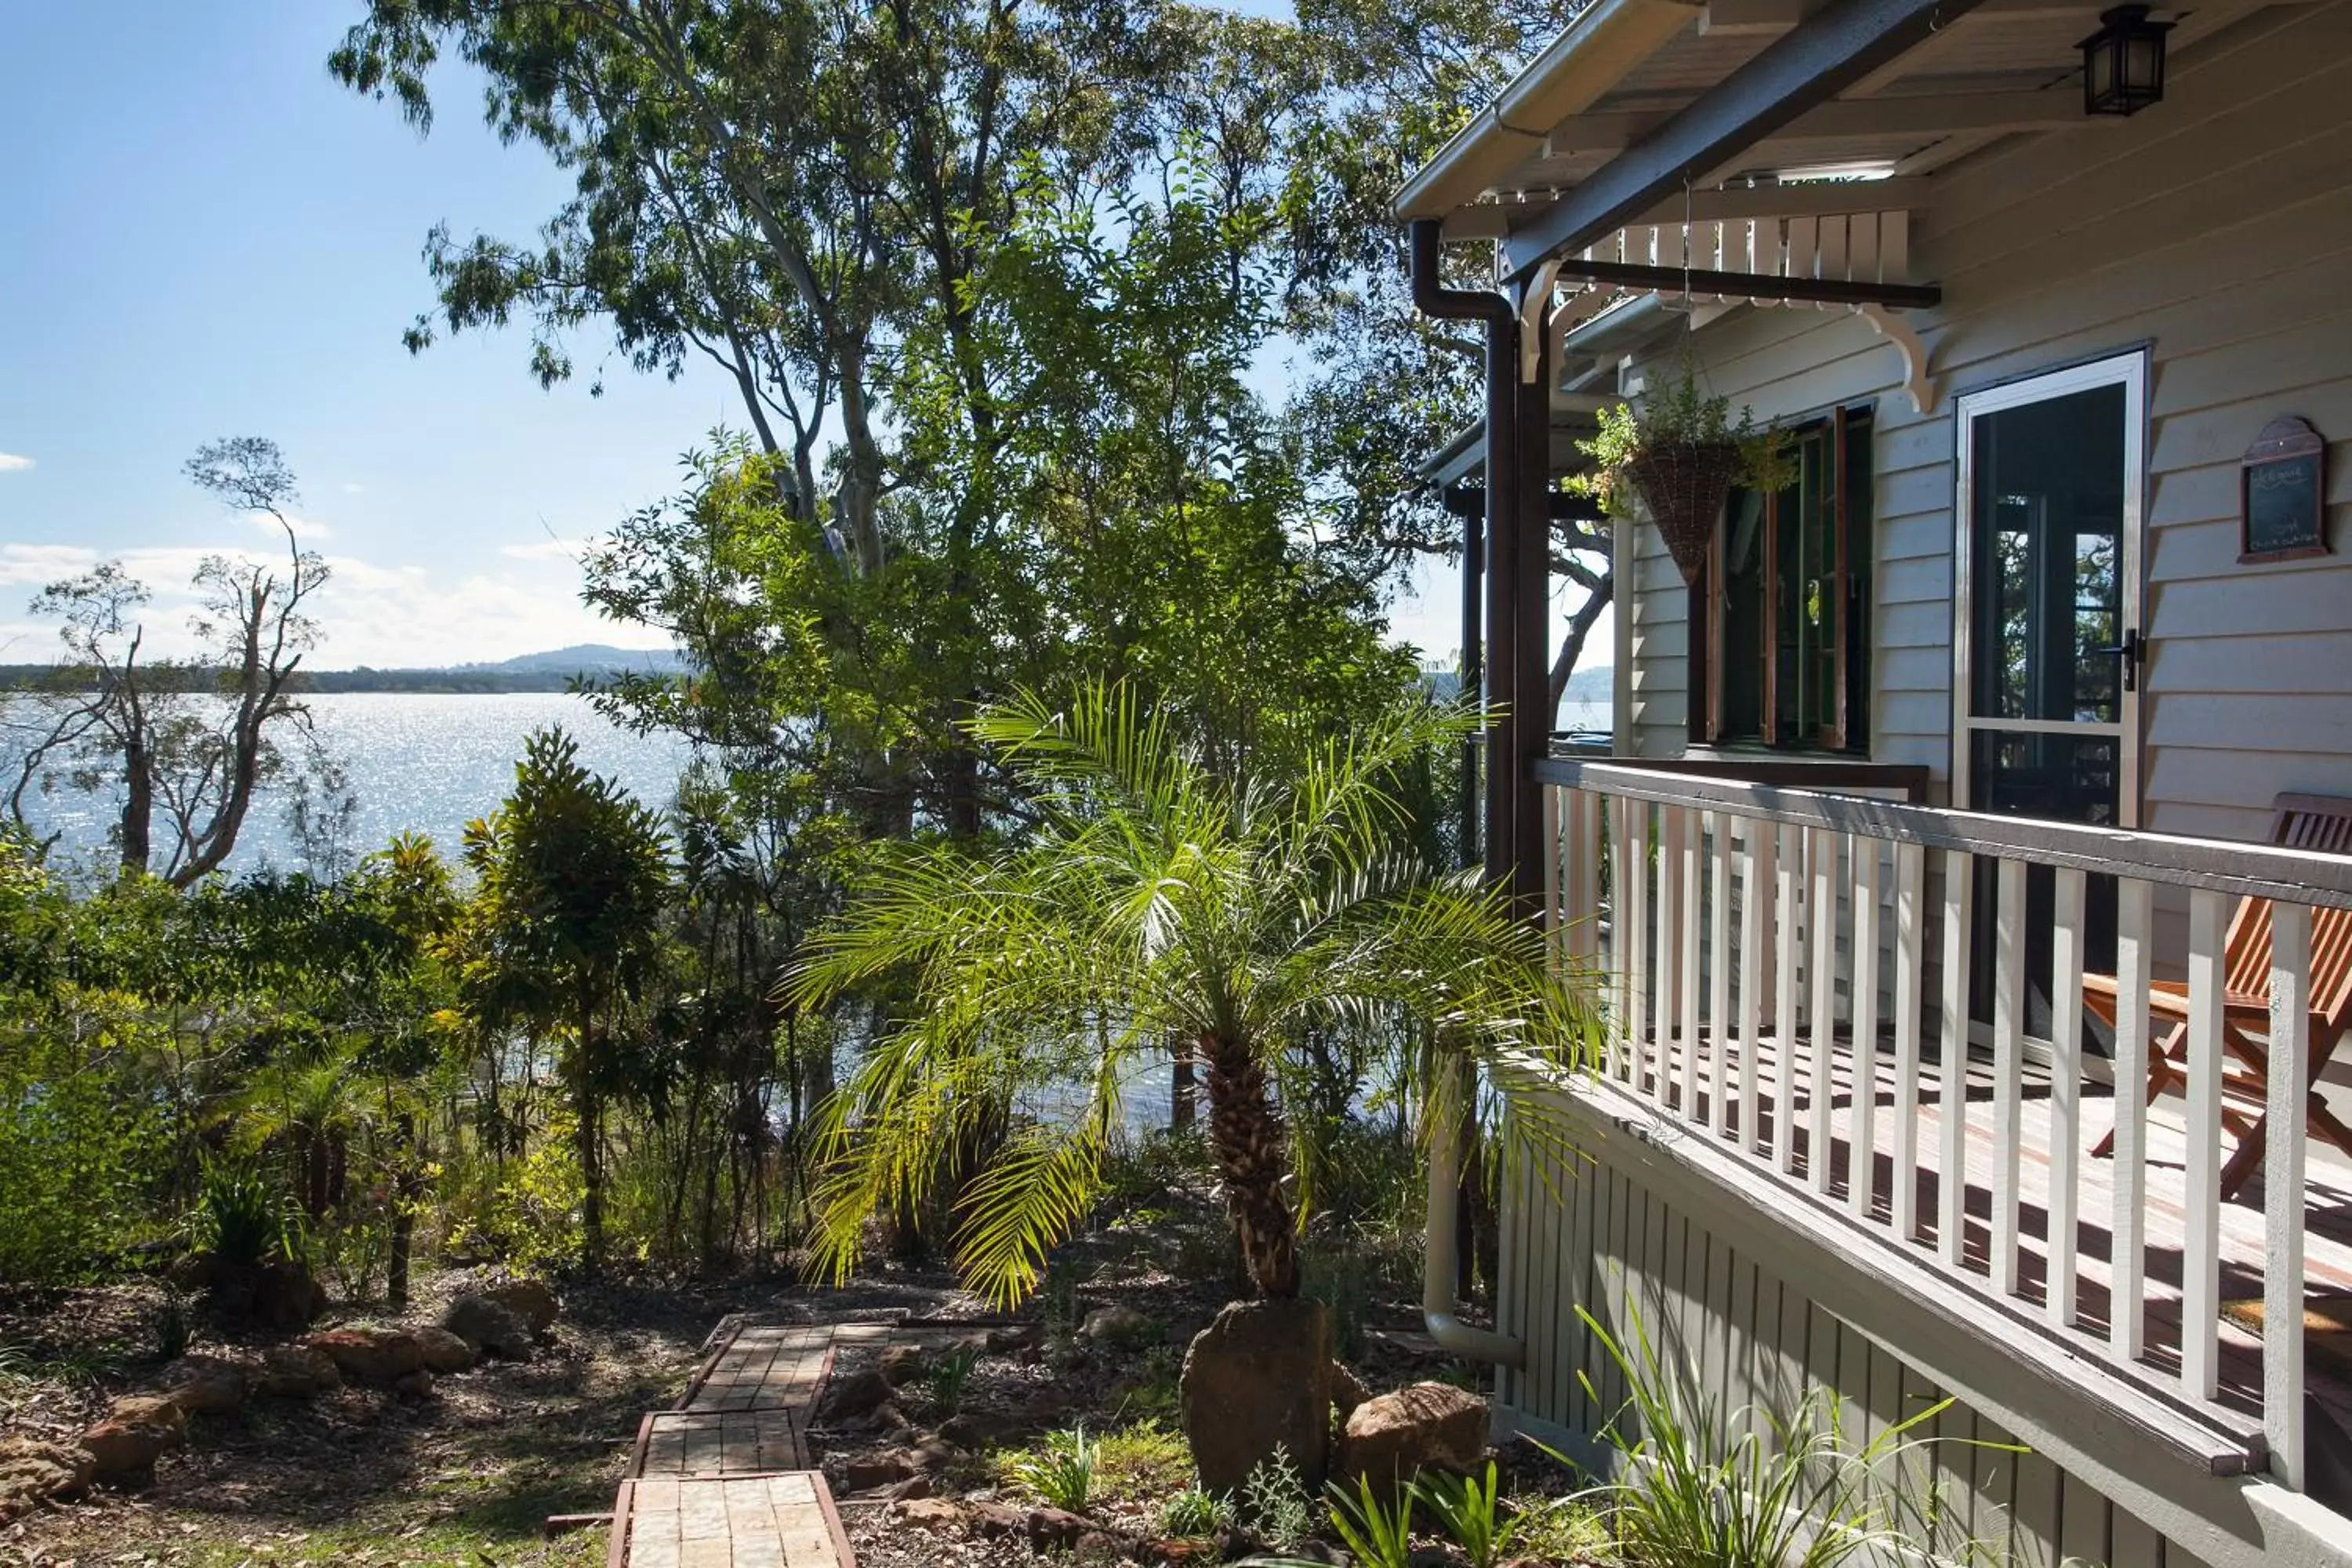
pixel 1394 1436
pixel 286 1297
pixel 442 1351
pixel 377 1357
pixel 530 1299
pixel 33 1472
pixel 296 1371
pixel 933 1513
pixel 881 1467
pixel 205 1384
pixel 417 1385
pixel 1052 1527
pixel 1259 1378
pixel 1121 1327
pixel 138 1429
pixel 912 1488
pixel 1015 1337
pixel 902 1363
pixel 852 1398
pixel 489 1326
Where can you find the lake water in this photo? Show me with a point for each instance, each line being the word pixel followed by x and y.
pixel 419 763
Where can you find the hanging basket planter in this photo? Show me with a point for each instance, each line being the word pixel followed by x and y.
pixel 1682 487
pixel 1677 453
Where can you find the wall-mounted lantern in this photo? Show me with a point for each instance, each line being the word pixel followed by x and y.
pixel 2123 62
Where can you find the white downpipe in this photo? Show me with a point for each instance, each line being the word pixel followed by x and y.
pixel 1441 1243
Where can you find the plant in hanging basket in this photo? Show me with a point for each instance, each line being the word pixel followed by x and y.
pixel 1673 456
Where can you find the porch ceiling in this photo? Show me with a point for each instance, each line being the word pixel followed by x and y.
pixel 1624 69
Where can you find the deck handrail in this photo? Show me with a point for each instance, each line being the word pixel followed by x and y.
pixel 2220 866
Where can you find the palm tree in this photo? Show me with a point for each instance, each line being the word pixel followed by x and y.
pixel 1154 900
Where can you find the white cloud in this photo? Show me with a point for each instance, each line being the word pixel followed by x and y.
pixel 351 490
pixel 303 527
pixel 9 461
pixel 36 565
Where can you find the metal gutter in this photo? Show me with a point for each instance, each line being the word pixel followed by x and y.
pixel 1590 56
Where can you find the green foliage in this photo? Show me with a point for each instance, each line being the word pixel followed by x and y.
pixel 1275 1502
pixel 1466 1508
pixel 532 1218
pixel 1377 1534
pixel 1192 1513
pixel 945 1378
pixel 1062 1474
pixel 1747 1488
pixel 1157 899
pixel 1676 413
pixel 242 1217
pixel 82 1146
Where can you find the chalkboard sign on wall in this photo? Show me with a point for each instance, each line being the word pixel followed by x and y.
pixel 2282 493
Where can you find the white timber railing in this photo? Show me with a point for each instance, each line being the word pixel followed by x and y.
pixel 1764 950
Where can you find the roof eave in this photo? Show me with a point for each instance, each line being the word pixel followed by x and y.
pixel 1590 56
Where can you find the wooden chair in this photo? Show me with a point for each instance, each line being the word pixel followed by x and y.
pixel 2318 822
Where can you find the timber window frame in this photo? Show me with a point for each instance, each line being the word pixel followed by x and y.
pixel 1780 646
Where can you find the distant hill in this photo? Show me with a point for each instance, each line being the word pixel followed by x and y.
pixel 553 671
pixel 590 657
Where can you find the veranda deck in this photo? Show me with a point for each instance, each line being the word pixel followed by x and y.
pixel 2327 1273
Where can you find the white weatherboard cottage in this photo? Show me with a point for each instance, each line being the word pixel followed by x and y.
pixel 1995 775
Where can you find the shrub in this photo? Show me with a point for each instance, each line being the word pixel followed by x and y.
pixel 944 1379
pixel 1063 1475
pixel 1749 1489
pixel 1275 1502
pixel 82 1146
pixel 1193 1512
pixel 1377 1534
pixel 1465 1509
pixel 1142 1463
pixel 241 1218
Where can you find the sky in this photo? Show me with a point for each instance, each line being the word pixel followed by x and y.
pixel 201 235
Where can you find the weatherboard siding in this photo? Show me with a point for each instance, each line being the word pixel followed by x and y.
pixel 2214 231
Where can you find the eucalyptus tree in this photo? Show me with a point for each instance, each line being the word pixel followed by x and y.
pixel 189 742
pixel 1157 897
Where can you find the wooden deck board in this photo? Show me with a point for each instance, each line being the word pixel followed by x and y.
pixel 730 1521
pixel 2328 1267
pixel 682 1442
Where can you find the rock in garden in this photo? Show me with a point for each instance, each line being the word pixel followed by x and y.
pixel 138 1430
pixel 881 1467
pixel 1121 1326
pixel 933 1513
pixel 417 1385
pixel 1052 1527
pixel 1258 1378
pixel 33 1472
pixel 529 1299
pixel 442 1351
pixel 377 1357
pixel 848 1399
pixel 297 1372
pixel 902 1363
pixel 286 1297
pixel 1392 1439
pixel 912 1488
pixel 1018 1337
pixel 205 1385
pixel 489 1326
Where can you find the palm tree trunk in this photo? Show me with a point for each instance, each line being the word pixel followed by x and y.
pixel 1253 1155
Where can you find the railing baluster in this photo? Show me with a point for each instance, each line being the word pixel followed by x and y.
pixel 1584 876
pixel 1952 1070
pixel 1666 967
pixel 2127 1262
pixel 2283 1193
pixel 2065 1093
pixel 2008 1069
pixel 1821 957
pixel 1862 1158
pixel 1633 923
pixel 2200 1253
pixel 1686 1010
pixel 1718 980
pixel 1787 954
pixel 1755 902
pixel 1910 918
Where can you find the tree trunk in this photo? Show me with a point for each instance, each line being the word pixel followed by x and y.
pixel 586 1139
pixel 138 807
pixel 1184 1091
pixel 404 1194
pixel 1253 1155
